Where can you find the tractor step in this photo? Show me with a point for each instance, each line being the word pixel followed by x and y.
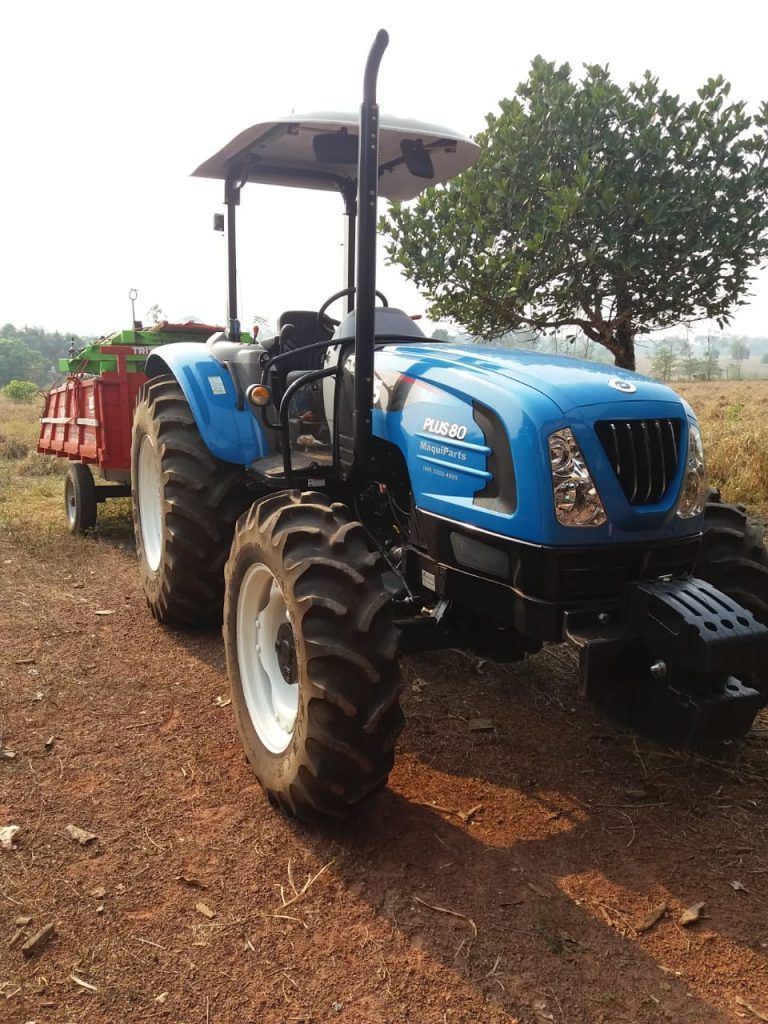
pixel 272 469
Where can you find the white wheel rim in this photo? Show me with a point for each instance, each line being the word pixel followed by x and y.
pixel 272 701
pixel 150 491
pixel 70 501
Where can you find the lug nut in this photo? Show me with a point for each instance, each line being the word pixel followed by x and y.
pixel 659 669
pixel 604 618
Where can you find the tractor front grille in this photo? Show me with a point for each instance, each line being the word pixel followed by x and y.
pixel 644 454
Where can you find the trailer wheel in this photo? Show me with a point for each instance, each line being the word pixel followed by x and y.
pixel 185 504
pixel 80 503
pixel 311 655
pixel 734 558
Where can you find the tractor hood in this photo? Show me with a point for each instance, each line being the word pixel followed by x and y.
pixel 471 418
pixel 569 383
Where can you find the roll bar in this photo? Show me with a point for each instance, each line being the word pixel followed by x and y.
pixel 365 296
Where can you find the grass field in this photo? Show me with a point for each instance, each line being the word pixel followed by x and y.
pixel 733 415
pixel 32 485
pixel 734 420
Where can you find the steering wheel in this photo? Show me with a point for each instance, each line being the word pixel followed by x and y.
pixel 325 322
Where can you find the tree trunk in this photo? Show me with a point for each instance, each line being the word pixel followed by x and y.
pixel 623 346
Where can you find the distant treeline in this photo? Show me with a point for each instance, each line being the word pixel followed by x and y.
pixel 699 357
pixel 30 353
pixel 684 357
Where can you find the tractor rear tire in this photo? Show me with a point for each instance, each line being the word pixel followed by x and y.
pixel 80 502
pixel 734 558
pixel 185 505
pixel 311 652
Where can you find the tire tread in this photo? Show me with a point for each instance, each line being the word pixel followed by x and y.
pixel 203 497
pixel 343 615
pixel 734 558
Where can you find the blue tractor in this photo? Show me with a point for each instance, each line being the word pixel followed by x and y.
pixel 349 490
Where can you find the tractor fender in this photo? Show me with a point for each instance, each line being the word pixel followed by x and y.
pixel 229 433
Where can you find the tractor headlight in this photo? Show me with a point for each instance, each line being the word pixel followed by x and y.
pixel 694 494
pixel 577 502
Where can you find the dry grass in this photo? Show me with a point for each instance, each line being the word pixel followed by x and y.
pixel 31 486
pixel 734 419
pixel 19 423
pixel 733 414
pixel 27 493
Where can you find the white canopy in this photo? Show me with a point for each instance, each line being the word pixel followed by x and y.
pixel 282 153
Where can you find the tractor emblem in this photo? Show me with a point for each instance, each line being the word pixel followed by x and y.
pixel 625 386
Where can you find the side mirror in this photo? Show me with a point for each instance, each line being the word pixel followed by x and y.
pixel 335 147
pixel 417 159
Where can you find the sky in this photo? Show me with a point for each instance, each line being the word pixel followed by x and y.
pixel 107 108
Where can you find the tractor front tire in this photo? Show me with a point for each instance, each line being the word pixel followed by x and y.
pixel 80 502
pixel 185 505
pixel 311 652
pixel 734 559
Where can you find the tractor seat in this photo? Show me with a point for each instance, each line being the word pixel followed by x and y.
pixel 307 331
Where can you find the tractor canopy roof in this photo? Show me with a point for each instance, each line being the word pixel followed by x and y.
pixel 320 151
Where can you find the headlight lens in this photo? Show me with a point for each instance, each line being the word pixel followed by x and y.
pixel 694 493
pixel 577 502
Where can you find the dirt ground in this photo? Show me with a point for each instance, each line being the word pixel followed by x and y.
pixel 503 876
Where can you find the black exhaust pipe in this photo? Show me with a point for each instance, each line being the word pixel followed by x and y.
pixel 365 297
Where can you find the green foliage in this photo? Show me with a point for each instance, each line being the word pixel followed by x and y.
pixel 20 390
pixel 739 352
pixel 663 362
pixel 606 209
pixel 695 369
pixel 18 362
pixel 689 363
pixel 529 340
pixel 51 345
pixel 711 360
pixel 30 353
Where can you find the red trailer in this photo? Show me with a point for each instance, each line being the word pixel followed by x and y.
pixel 88 418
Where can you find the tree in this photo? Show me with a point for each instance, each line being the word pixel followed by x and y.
pixel 529 340
pixel 764 357
pixel 688 361
pixel 664 361
pixel 739 352
pixel 20 390
pixel 51 345
pixel 711 359
pixel 18 362
pixel 591 206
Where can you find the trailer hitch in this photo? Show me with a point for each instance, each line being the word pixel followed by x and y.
pixel 669 664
